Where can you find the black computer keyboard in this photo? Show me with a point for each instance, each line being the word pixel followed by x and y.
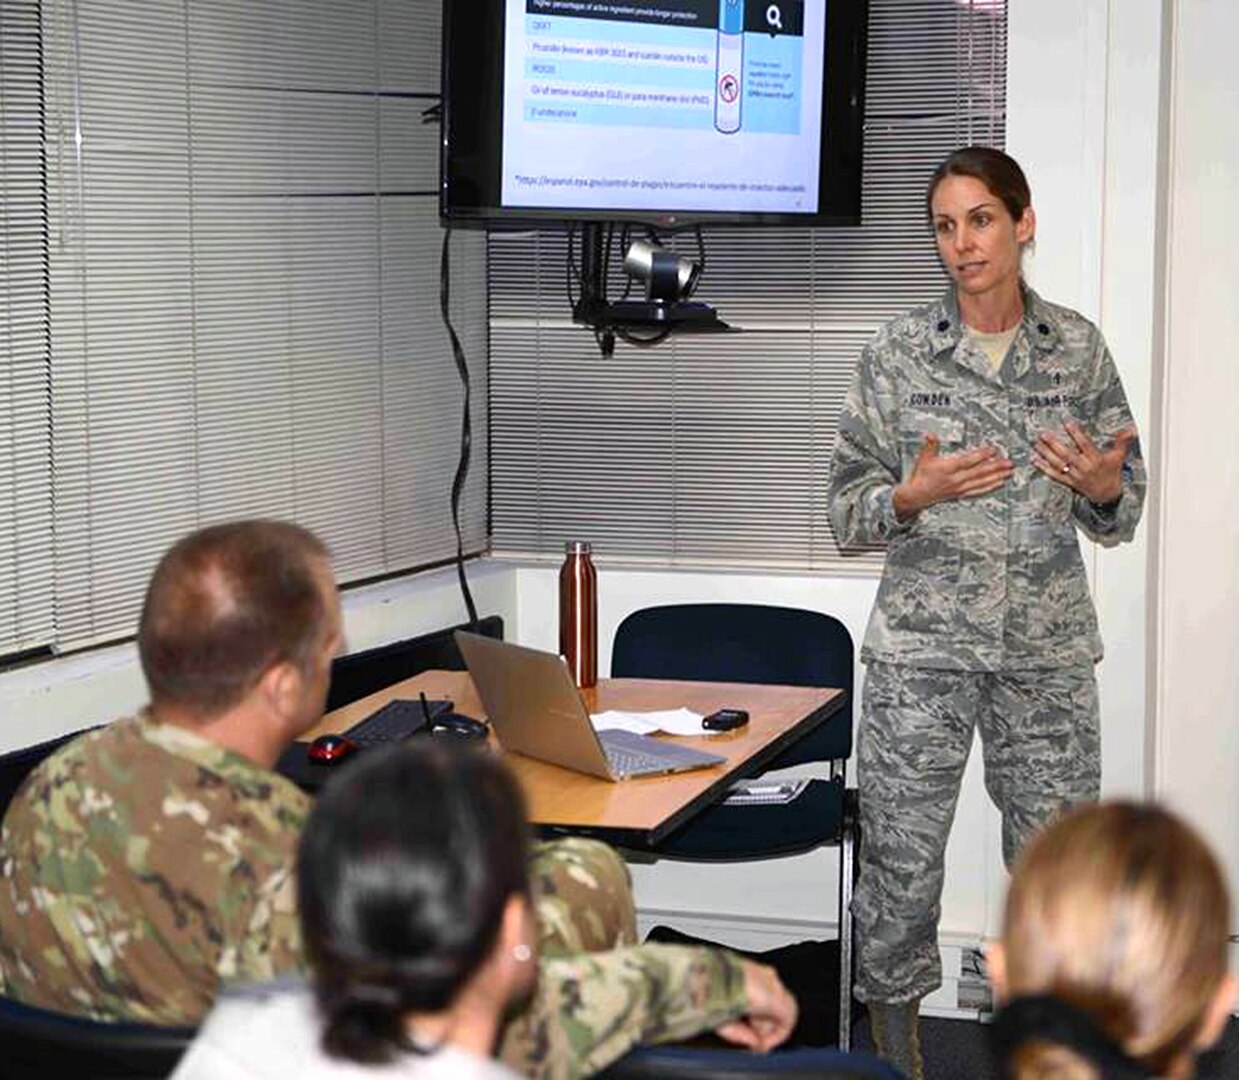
pixel 396 720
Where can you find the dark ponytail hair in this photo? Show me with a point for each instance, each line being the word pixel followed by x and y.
pixel 406 864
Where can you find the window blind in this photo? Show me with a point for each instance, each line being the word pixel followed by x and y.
pixel 243 278
pixel 715 449
pixel 25 463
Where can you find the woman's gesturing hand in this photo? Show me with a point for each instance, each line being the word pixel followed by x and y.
pixel 937 477
pixel 1077 463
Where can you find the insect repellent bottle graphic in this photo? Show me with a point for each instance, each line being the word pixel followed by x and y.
pixel 730 65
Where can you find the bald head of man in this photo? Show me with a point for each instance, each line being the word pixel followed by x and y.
pixel 240 622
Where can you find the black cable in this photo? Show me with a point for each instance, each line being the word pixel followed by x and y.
pixel 606 260
pixel 701 263
pixel 603 337
pixel 466 425
pixel 570 265
pixel 625 242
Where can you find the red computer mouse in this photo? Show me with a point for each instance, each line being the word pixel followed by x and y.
pixel 331 749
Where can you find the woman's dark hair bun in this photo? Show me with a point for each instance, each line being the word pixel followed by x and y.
pixel 361 1030
pixel 406 864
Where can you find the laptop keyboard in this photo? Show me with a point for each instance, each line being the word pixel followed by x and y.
pixel 625 762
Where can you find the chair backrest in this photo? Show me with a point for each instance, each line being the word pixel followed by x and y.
pixel 40 1044
pixel 687 1063
pixel 752 643
pixel 361 673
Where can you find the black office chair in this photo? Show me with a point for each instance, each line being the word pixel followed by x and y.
pixel 686 1063
pixel 361 673
pixel 761 644
pixel 39 1044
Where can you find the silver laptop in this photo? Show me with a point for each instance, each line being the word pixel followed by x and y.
pixel 535 709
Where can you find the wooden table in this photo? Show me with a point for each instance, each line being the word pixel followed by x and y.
pixel 641 811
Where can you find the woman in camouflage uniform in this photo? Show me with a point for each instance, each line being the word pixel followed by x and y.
pixel 980 433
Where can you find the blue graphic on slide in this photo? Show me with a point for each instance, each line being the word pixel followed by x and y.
pixel 772 80
pixel 729 68
pixel 629 73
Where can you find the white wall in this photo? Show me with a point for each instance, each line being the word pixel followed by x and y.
pixel 1196 692
pixel 1083 114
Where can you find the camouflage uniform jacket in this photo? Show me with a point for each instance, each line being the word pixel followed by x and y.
pixel 142 866
pixel 994 582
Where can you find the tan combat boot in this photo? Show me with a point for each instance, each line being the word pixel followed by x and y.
pixel 897 1035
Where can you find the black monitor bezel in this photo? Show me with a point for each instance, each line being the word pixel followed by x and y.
pixel 471 145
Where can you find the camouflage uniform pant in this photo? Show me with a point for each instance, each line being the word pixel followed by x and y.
pixel 1040 737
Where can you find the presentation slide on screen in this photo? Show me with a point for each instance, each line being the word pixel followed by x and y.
pixel 669 105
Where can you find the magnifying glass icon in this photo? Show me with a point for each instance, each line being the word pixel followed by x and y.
pixel 774 17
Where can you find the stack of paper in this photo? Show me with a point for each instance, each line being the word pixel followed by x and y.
pixel 670 721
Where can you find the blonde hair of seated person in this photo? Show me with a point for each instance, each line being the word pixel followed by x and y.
pixel 1117 918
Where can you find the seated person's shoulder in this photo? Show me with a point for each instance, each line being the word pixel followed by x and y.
pixel 258 1030
pixel 160 856
pixel 133 769
pixel 84 759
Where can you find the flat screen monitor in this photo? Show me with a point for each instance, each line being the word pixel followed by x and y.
pixel 669 113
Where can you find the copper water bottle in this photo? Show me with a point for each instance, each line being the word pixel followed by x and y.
pixel 578 613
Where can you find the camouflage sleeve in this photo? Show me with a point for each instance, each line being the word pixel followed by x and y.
pixel 260 912
pixel 270 947
pixel 1108 413
pixel 582 897
pixel 866 465
pixel 590 1010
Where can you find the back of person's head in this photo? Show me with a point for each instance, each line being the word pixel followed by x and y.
pixel 406 869
pixel 225 604
pixel 1113 960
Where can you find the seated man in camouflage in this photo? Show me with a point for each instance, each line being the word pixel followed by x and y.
pixel 147 862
